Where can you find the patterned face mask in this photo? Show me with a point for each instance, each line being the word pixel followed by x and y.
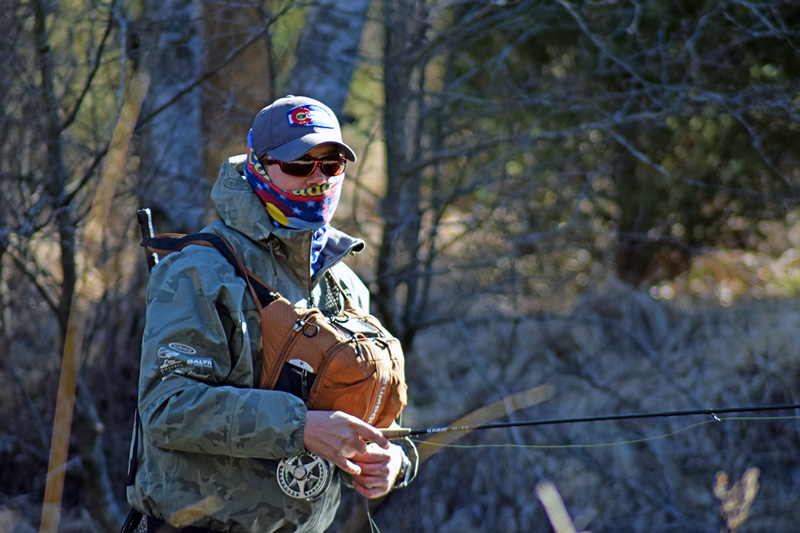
pixel 310 208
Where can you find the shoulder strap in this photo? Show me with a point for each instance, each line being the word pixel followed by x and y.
pixel 167 243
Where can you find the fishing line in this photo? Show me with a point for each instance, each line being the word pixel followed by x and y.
pixel 373 526
pixel 712 413
pixel 408 432
pixel 608 444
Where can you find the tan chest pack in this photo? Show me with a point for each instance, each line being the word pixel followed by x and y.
pixel 345 361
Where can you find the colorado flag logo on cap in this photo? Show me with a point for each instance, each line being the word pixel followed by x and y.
pixel 310 115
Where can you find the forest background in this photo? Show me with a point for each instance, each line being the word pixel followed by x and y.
pixel 602 197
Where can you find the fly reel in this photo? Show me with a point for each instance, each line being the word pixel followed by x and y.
pixel 304 476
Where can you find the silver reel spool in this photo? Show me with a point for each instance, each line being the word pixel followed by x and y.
pixel 304 476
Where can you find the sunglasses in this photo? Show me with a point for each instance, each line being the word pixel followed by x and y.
pixel 302 168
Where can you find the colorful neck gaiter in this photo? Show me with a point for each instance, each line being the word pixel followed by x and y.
pixel 302 209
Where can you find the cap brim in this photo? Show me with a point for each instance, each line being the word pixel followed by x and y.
pixel 299 147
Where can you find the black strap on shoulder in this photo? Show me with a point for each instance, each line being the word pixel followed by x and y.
pixel 164 244
pixel 134 453
pixel 131 524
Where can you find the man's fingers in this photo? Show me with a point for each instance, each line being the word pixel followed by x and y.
pixel 373 454
pixel 370 434
pixel 353 447
pixel 339 437
pixel 371 491
pixel 351 468
pixel 347 465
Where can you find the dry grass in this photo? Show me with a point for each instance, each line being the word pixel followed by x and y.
pixel 618 352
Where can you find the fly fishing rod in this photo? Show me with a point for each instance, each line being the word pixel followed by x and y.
pixel 396 433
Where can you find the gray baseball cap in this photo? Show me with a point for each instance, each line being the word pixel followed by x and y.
pixel 291 126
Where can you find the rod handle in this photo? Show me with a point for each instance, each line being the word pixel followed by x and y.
pixel 395 433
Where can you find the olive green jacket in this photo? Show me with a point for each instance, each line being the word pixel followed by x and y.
pixel 210 441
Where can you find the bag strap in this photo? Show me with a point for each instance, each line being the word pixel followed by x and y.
pixel 167 243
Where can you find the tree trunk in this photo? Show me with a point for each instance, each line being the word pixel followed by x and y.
pixel 327 51
pixel 174 185
pixel 55 169
pixel 398 261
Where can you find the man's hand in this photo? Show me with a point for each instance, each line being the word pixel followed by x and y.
pixel 379 469
pixel 339 437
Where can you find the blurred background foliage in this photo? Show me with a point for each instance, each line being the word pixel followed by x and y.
pixel 602 195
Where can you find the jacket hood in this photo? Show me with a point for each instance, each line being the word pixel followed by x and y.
pixel 241 209
pixel 237 204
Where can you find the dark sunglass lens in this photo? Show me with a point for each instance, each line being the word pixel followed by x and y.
pixel 332 167
pixel 298 168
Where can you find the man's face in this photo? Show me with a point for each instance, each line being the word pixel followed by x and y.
pixel 288 182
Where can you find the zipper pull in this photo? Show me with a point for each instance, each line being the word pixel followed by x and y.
pixel 309 330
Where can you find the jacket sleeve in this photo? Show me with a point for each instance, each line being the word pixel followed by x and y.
pixel 197 374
